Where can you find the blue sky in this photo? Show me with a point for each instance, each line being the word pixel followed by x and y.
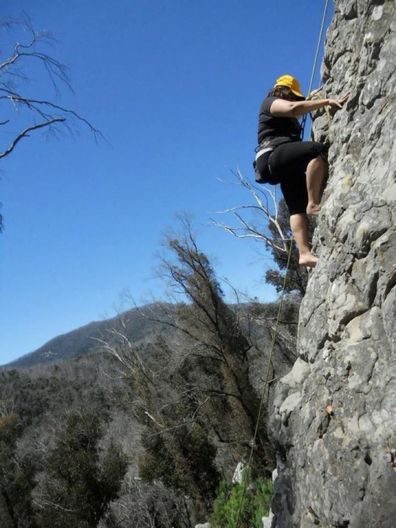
pixel 175 86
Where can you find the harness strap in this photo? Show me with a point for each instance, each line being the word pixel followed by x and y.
pixel 263 151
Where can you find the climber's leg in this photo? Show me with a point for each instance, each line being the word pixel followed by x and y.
pixel 316 172
pixel 295 156
pixel 289 162
pixel 301 157
pixel 299 227
pixel 295 193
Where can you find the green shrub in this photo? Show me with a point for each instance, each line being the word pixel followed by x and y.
pixel 252 497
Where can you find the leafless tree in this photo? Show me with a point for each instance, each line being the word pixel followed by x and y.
pixel 148 506
pixel 195 375
pixel 7 403
pixel 251 220
pixel 206 371
pixel 23 114
pixel 41 113
pixel 264 219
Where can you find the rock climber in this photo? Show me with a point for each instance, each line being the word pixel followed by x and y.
pixel 282 157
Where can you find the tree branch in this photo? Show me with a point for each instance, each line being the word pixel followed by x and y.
pixel 25 133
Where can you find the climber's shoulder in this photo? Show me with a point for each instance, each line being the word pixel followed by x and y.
pixel 281 107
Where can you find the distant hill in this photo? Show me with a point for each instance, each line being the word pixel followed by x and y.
pixel 137 324
pixel 149 403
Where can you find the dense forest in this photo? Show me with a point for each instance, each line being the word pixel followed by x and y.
pixel 145 424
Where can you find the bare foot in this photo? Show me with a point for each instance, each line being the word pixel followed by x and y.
pixel 313 208
pixel 308 260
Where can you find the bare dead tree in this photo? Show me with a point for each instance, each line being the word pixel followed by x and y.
pixel 265 220
pixel 7 402
pixel 39 113
pixel 149 506
pixel 19 109
pixel 251 220
pixel 192 384
pixel 212 343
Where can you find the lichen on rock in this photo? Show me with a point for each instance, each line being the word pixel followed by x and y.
pixel 333 418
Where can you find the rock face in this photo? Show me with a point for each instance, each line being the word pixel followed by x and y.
pixel 334 415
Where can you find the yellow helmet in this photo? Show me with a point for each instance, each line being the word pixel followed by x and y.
pixel 291 82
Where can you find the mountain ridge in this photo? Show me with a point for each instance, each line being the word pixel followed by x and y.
pixel 85 339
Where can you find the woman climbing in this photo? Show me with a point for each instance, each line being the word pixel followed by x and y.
pixel 282 157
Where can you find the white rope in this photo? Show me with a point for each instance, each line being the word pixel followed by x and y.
pixel 315 62
pixel 318 47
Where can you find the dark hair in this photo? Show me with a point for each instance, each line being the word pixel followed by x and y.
pixel 284 92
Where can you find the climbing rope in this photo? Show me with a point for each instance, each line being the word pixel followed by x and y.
pixel 315 63
pixel 266 383
pixel 275 333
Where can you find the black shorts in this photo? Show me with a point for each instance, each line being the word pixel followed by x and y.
pixel 287 164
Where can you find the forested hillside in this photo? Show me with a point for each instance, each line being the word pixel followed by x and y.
pixel 138 420
pixel 137 324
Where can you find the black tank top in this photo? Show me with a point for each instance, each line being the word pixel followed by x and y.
pixel 270 126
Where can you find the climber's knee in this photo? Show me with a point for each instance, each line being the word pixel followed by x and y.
pixel 317 163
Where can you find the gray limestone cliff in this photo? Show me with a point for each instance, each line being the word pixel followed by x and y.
pixel 334 415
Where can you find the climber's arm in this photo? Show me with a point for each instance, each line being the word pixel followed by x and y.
pixel 282 108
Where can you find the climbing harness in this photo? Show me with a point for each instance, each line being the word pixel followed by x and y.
pixel 266 147
pixel 274 336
